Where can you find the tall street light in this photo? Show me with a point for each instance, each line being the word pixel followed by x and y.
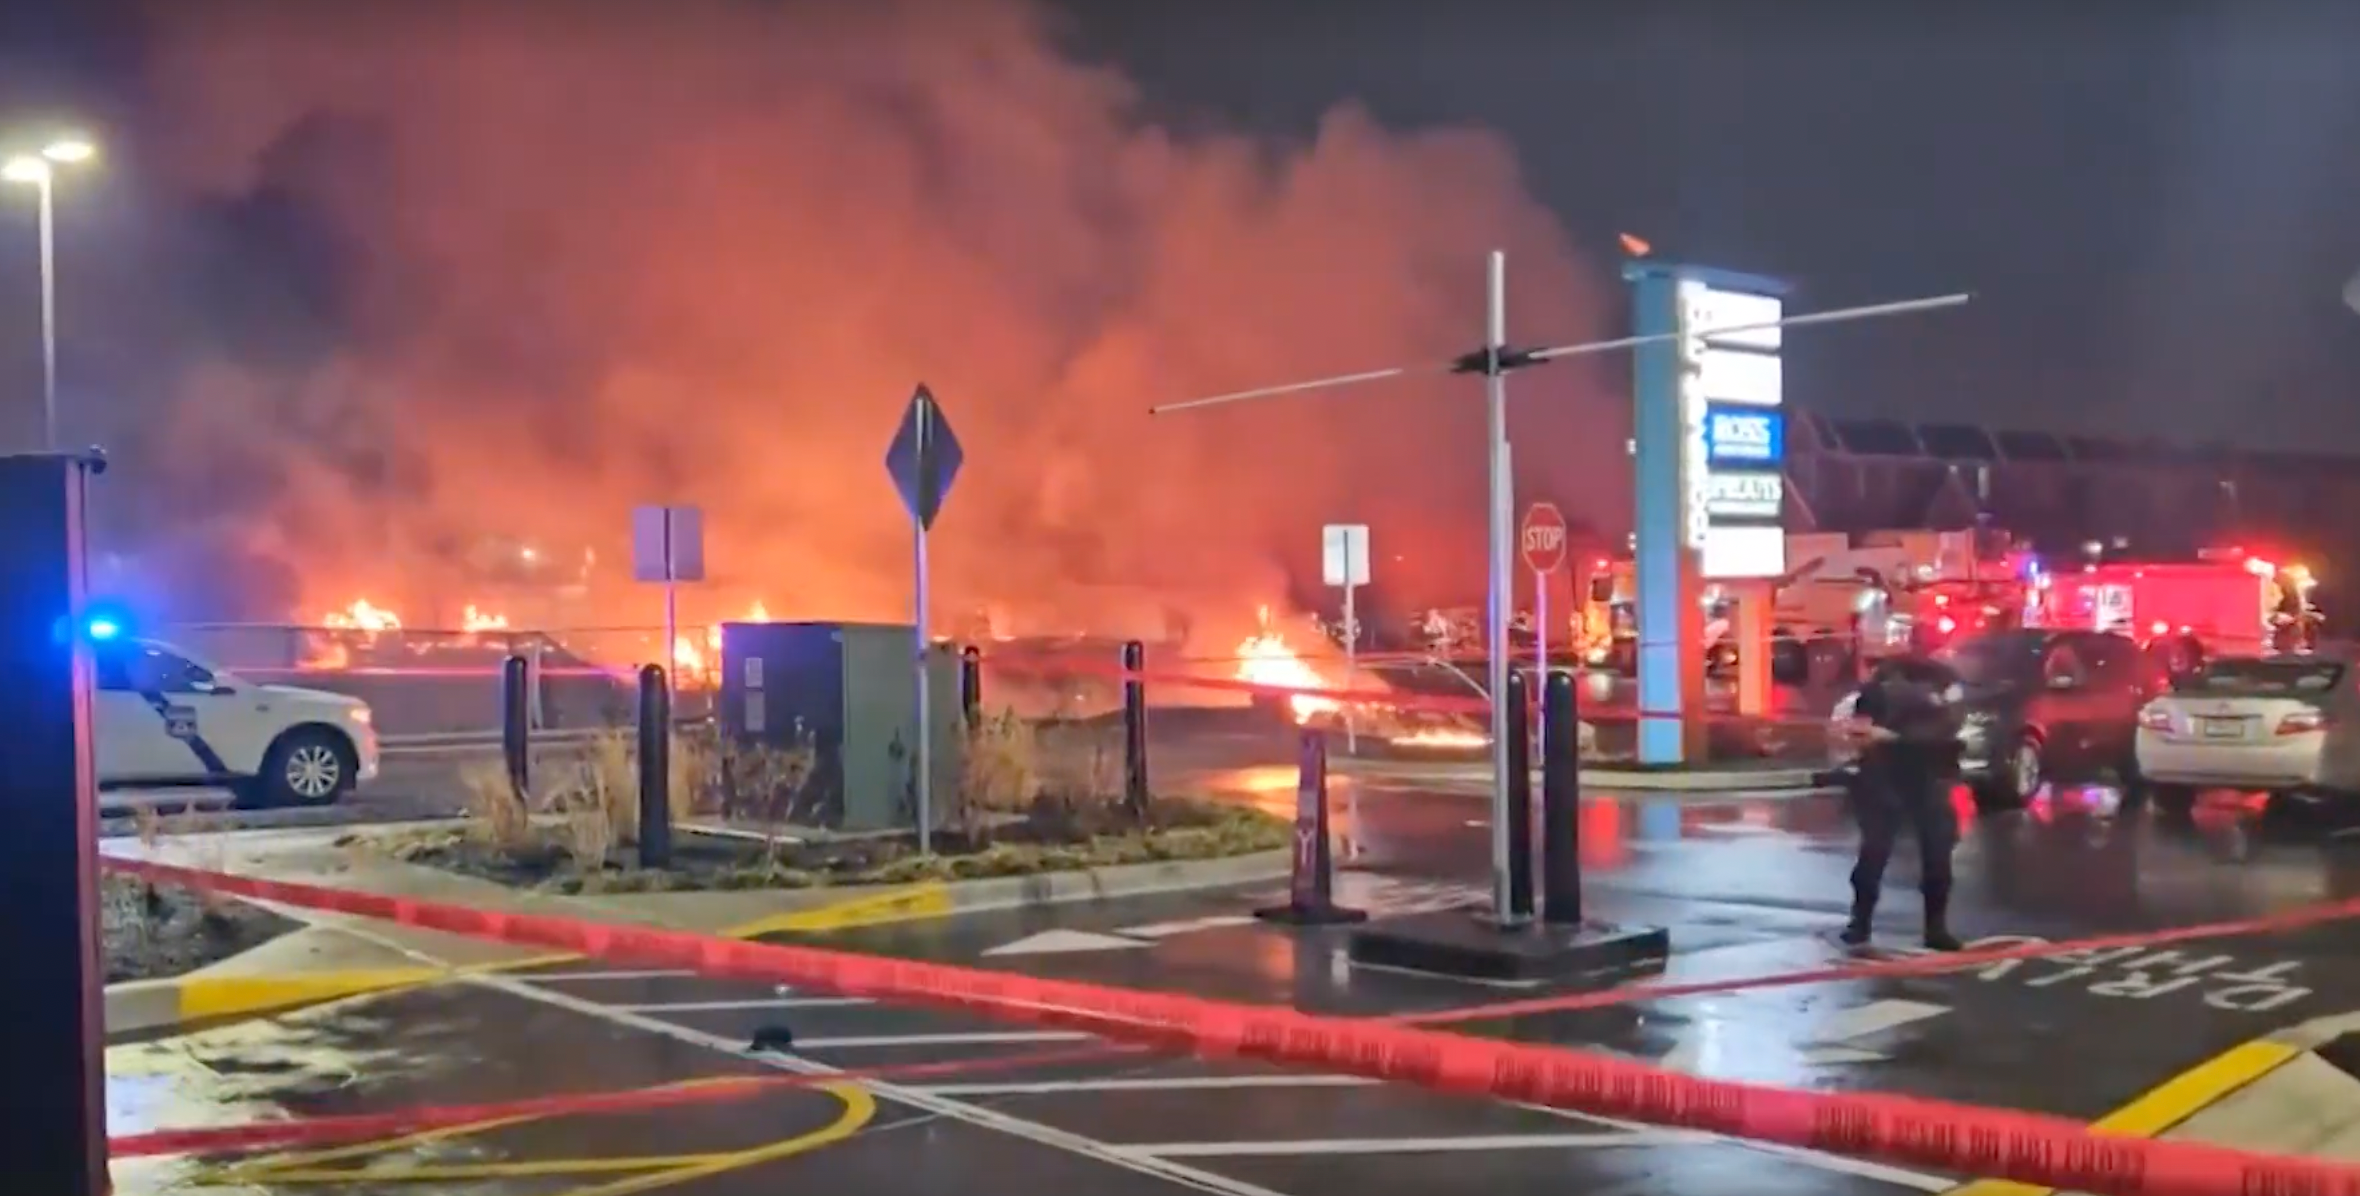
pixel 39 171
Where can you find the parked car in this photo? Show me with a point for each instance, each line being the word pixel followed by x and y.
pixel 2046 705
pixel 160 719
pixel 2277 724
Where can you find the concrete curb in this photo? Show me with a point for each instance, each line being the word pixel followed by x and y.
pixel 2228 1100
pixel 1747 780
pixel 142 1005
pixel 146 1005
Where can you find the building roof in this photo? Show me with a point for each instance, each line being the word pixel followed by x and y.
pixel 1959 443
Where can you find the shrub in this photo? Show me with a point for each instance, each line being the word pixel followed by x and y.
pixel 1082 762
pixel 1000 768
pixel 493 810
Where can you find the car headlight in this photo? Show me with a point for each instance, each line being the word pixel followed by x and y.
pixel 359 714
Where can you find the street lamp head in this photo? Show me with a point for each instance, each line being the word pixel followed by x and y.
pixel 69 149
pixel 23 169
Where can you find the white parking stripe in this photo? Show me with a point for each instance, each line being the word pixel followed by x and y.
pixel 626 974
pixel 980 1116
pixel 1167 1084
pixel 755 1003
pixel 1361 1146
pixel 863 1042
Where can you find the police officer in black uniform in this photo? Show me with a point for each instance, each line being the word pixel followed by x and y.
pixel 1908 724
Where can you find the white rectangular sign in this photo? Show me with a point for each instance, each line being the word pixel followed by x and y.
pixel 1740 376
pixel 1733 309
pixel 668 544
pixel 1745 495
pixel 1343 554
pixel 1742 369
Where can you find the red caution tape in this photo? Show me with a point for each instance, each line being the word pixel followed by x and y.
pixel 1901 1130
pixel 1396 699
pixel 316 1131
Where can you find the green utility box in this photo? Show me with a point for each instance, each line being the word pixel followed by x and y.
pixel 849 691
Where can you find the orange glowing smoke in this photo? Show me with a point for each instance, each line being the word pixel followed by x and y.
pixel 557 260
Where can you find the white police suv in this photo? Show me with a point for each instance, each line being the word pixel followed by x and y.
pixel 161 720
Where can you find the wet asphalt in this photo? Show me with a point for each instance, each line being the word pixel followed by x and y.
pixel 1747 885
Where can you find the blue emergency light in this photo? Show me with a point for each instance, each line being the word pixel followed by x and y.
pixel 101 628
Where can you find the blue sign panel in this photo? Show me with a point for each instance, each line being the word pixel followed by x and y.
pixel 1744 436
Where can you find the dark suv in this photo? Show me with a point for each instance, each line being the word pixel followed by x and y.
pixel 2046 705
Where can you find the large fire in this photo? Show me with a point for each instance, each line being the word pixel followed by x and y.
pixel 1265 659
pixel 363 623
pixel 536 313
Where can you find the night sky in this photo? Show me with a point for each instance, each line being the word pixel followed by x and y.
pixel 2152 202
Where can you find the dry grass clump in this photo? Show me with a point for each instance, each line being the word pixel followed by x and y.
pixel 591 799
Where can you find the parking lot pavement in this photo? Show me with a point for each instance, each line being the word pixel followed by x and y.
pixel 946 1098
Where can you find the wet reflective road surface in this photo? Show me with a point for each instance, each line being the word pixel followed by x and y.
pixel 1748 887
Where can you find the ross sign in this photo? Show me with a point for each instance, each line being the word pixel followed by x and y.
pixel 1543 538
pixel 1732 428
pixel 1745 496
pixel 668 544
pixel 924 458
pixel 1343 554
pixel 1743 436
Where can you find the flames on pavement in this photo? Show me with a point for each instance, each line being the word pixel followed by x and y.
pixel 1265 658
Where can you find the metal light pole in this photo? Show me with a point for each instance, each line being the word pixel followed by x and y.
pixel 39 171
pixel 1502 597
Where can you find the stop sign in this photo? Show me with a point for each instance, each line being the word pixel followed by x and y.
pixel 1544 538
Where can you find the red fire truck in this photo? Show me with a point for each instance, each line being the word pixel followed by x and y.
pixel 2227 603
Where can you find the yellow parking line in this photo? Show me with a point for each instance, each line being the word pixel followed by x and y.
pixel 860 1108
pixel 907 903
pixel 205 997
pixel 2166 1105
pixel 211 997
pixel 644 1172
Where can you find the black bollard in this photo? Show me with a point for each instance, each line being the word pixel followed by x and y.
pixel 516 724
pixel 1519 801
pixel 1134 728
pixel 1561 789
pixel 655 768
pixel 52 1023
pixel 971 683
pixel 1311 899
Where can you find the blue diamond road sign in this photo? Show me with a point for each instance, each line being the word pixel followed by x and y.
pixel 924 458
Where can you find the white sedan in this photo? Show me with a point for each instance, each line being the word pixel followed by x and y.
pixel 2282 724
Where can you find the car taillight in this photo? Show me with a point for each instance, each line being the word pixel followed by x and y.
pixel 2155 718
pixel 2302 721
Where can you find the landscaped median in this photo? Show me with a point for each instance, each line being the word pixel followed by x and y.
pixel 1034 823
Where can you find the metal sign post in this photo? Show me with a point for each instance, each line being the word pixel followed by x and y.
pixel 1543 538
pixel 1343 562
pixel 923 461
pixel 668 546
